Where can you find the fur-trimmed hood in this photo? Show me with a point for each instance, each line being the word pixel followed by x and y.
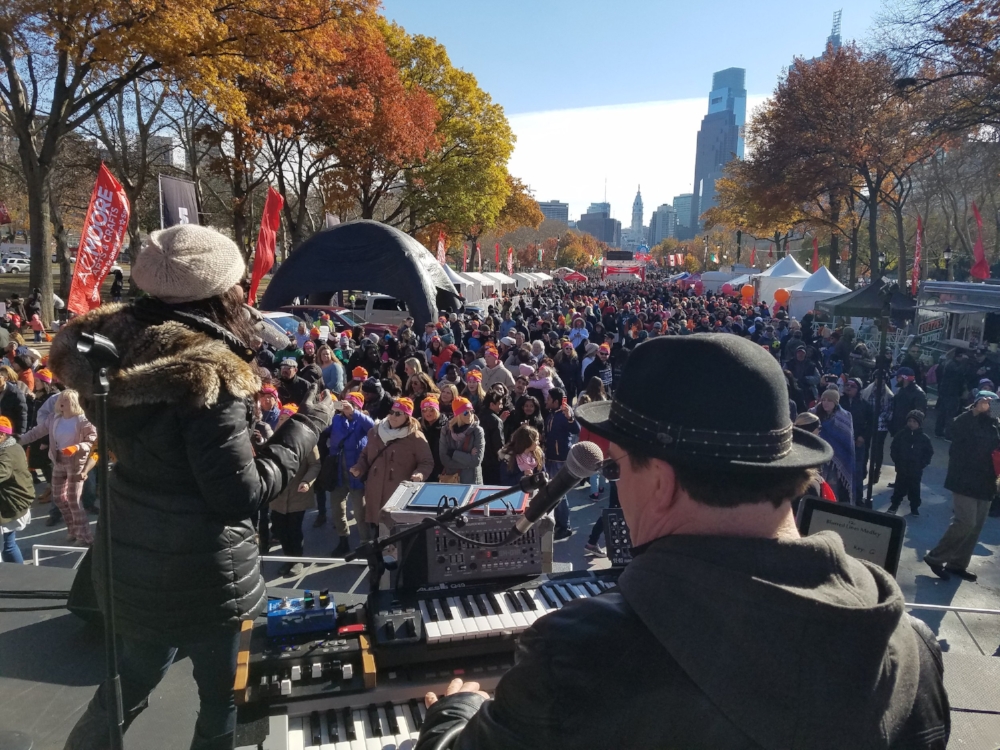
pixel 161 363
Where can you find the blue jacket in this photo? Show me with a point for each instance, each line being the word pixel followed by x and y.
pixel 347 439
pixel 558 430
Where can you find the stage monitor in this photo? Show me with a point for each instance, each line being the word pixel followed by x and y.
pixel 867 534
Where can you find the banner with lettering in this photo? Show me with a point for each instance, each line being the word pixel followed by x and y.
pixel 178 202
pixel 510 261
pixel 104 230
pixel 441 249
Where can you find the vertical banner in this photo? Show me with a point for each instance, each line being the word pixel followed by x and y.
pixel 479 258
pixel 917 251
pixel 541 254
pixel 510 261
pixel 178 202
pixel 104 230
pixel 441 250
pixel 753 256
pixel 496 247
pixel 465 256
pixel 770 250
pixel 980 269
pixel 263 257
pixel 4 216
pixel 815 254
pixel 671 259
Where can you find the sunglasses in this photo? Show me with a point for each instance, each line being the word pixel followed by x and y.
pixel 611 469
pixel 397 413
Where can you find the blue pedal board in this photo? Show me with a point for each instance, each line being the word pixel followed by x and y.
pixel 308 614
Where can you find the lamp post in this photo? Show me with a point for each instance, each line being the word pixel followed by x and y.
pixel 881 264
pixel 947 262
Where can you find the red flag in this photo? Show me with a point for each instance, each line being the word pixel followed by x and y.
pixel 479 258
pixel 497 248
pixel 104 230
pixel 263 257
pixel 815 254
pixel 465 256
pixel 441 251
pixel 4 216
pixel 671 260
pixel 753 256
pixel 916 254
pixel 510 260
pixel 980 269
pixel 770 251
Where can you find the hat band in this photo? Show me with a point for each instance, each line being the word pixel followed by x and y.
pixel 732 445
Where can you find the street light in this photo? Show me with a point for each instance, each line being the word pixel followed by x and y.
pixel 881 262
pixel 947 262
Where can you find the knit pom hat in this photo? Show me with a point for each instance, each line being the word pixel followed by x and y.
pixel 460 405
pixel 6 427
pixel 187 262
pixel 917 415
pixel 289 409
pixel 355 399
pixel 404 405
pixel 431 402
pixel 44 375
pixel 476 375
pixel 831 394
pixel 270 390
pixel 359 373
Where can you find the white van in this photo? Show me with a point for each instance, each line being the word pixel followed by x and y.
pixel 384 310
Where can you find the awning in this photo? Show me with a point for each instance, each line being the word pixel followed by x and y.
pixel 960 307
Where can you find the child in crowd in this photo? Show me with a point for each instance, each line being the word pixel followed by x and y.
pixel 911 452
pixel 522 456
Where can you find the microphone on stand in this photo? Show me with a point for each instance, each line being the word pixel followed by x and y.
pixel 584 459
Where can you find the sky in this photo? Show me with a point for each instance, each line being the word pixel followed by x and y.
pixel 615 90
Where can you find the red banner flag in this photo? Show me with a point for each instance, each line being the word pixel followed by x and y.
pixel 671 260
pixel 479 258
pixel 441 250
pixel 104 230
pixel 770 250
pixel 815 254
pixel 465 256
pixel 497 248
pixel 510 260
pixel 4 216
pixel 980 269
pixel 267 238
pixel 916 254
pixel 753 256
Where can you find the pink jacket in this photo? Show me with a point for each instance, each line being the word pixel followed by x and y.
pixel 86 436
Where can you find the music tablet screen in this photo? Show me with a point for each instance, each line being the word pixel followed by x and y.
pixel 429 496
pixel 862 539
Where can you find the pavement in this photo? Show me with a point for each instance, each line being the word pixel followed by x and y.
pixel 961 633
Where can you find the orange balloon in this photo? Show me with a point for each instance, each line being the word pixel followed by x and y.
pixel 747 290
pixel 781 296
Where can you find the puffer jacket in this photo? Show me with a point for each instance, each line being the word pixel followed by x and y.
pixel 680 646
pixel 290 500
pixel 462 452
pixel 186 480
pixel 974 437
pixel 343 441
pixel 403 458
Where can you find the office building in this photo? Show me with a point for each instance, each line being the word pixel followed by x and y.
pixel 601 226
pixel 160 150
pixel 597 208
pixel 662 224
pixel 719 139
pixel 682 206
pixel 555 210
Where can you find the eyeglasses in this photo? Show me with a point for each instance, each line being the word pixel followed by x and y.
pixel 611 468
pixel 397 413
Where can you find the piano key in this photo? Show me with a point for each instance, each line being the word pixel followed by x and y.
pixel 511 620
pixel 564 592
pixel 479 619
pixel 593 588
pixel 360 733
pixel 430 626
pixel 331 728
pixel 415 714
pixel 527 598
pixel 390 715
pixel 512 601
pixel 386 734
pixel 551 597
pixel 496 625
pixel 458 624
pixel 444 609
pixel 581 590
pixel 404 737
pixel 296 734
pixel 315 728
pixel 443 623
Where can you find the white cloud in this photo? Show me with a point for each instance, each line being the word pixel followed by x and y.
pixel 567 154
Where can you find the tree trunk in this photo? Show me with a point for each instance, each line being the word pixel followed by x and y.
pixel 62 250
pixel 834 236
pixel 40 235
pixel 852 269
pixel 901 240
pixel 873 262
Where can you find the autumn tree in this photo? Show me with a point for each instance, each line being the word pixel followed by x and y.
pixel 60 63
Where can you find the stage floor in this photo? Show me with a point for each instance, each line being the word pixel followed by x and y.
pixel 51 662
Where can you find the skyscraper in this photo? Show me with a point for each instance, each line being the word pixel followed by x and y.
pixel 682 205
pixel 662 224
pixel 637 213
pixel 555 210
pixel 720 138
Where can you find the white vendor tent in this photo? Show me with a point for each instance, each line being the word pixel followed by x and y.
pixel 525 280
pixel 784 274
pixel 475 289
pixel 713 280
pixel 821 285
pixel 462 284
pixel 487 285
pixel 543 278
pixel 505 281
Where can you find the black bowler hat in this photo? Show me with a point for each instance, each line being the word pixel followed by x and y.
pixel 708 399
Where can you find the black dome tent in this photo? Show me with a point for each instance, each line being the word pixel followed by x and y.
pixel 364 255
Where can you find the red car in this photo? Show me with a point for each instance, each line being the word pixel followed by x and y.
pixel 342 318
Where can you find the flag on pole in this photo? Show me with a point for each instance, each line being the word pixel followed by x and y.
pixel 916 254
pixel 510 260
pixel 770 251
pixel 441 250
pixel 815 253
pixel 980 269
pixel 713 258
pixel 263 257
pixel 540 253
pixel 4 216
pixel 479 258
pixel 753 256
pixel 104 230
pixel 671 259
pixel 465 256
pixel 497 260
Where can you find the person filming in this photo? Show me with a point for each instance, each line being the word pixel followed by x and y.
pixel 727 630
pixel 186 479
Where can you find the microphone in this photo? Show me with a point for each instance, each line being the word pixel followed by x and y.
pixel 584 459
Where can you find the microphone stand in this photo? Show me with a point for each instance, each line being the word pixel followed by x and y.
pixel 101 353
pixel 372 551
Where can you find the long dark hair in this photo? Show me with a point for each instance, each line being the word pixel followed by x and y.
pixel 225 310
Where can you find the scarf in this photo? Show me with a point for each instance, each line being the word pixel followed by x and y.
pixel 526 463
pixel 387 434
pixel 837 430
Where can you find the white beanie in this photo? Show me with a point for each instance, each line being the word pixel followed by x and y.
pixel 187 262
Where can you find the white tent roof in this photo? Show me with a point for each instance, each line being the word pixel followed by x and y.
pixel 455 276
pixel 483 279
pixel 501 277
pixel 542 276
pixel 784 268
pixel 822 281
pixel 532 281
pixel 739 281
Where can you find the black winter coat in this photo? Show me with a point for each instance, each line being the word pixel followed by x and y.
pixel 861 415
pixel 970 461
pixel 906 400
pixel 14 406
pixel 433 434
pixel 681 664
pixel 911 451
pixel 186 480
pixel 492 443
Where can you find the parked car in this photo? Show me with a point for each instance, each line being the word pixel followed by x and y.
pixel 16 265
pixel 343 319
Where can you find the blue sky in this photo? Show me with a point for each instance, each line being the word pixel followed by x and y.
pixel 569 72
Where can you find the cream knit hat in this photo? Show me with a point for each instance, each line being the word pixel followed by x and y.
pixel 188 262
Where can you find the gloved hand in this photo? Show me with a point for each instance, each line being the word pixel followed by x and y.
pixel 317 408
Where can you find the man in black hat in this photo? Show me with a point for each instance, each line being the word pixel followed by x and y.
pixel 727 630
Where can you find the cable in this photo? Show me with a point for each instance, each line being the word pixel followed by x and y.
pixel 31 609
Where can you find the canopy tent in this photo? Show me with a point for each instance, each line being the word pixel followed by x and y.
pixel 502 279
pixel 574 276
pixel 489 286
pixel 784 274
pixel 821 285
pixel 866 302
pixel 562 272
pixel 738 283
pixel 475 289
pixel 544 278
pixel 462 284
pixel 525 280
pixel 364 255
